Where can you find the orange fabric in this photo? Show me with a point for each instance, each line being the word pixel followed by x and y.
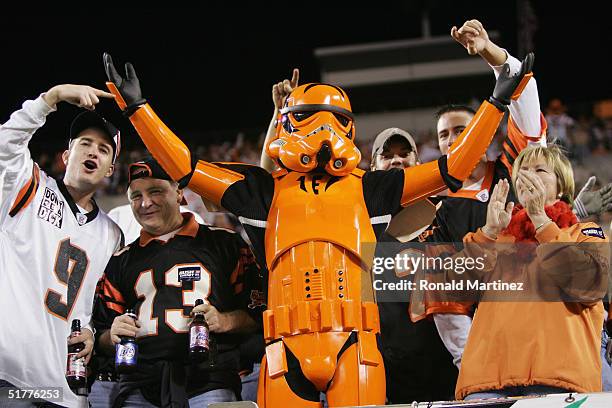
pixel 486 185
pixel 540 343
pixel 115 307
pixel 425 180
pixel 463 308
pixel 421 182
pixel 422 305
pixel 110 292
pixel 516 141
pixel 521 86
pixel 27 192
pixel 170 152
pixel 469 147
pixel 211 181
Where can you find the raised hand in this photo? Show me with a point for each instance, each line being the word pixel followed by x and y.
pixel 128 87
pixel 590 202
pixel 498 212
pixel 531 193
pixel 472 35
pixel 281 90
pixel 508 86
pixel 82 96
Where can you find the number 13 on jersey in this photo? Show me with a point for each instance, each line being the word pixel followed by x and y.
pixel 175 276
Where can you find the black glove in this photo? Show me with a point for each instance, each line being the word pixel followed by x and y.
pixel 506 84
pixel 129 87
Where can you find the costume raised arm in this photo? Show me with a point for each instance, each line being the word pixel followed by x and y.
pixel 451 170
pixel 204 178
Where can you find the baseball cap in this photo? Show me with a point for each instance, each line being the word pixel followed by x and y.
pixel 90 119
pixel 148 167
pixel 382 140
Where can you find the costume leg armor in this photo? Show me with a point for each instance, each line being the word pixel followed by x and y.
pixel 323 362
pixel 321 336
pixel 361 370
pixel 274 391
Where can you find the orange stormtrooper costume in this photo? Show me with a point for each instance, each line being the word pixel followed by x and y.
pixel 307 222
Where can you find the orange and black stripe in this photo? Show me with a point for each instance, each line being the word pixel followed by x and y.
pixel 515 142
pixel 27 192
pixel 246 261
pixel 112 298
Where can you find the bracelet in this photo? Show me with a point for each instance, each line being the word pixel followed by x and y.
pixel 543 224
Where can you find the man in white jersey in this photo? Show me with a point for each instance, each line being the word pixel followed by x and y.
pixel 54 242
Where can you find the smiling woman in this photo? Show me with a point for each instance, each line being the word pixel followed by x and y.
pixel 571 259
pixel 544 172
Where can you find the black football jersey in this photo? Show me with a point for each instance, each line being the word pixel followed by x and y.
pixel 162 281
pixel 460 214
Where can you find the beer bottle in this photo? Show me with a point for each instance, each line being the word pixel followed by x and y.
pixel 126 352
pixel 76 374
pixel 198 337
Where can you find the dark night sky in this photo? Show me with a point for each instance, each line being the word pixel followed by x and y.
pixel 211 68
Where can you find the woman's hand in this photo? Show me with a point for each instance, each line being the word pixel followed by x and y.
pixel 532 195
pixel 498 212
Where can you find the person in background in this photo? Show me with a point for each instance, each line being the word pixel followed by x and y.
pixel 417 365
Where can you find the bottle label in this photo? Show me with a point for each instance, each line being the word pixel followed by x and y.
pixel 126 354
pixel 198 336
pixel 75 367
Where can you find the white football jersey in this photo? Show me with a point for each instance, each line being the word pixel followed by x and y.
pixel 51 258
